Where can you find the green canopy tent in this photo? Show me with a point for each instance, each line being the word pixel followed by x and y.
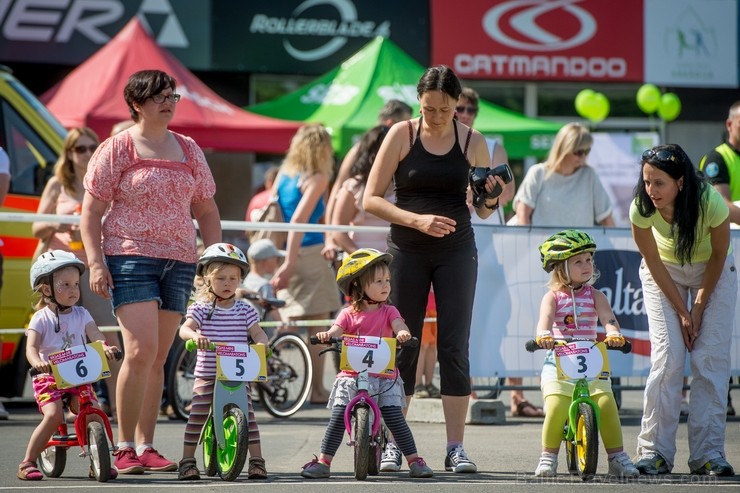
pixel 347 100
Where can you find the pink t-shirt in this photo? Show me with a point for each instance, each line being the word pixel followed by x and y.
pixel 564 326
pixel 150 199
pixel 71 332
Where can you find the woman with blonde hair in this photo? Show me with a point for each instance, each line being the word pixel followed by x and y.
pixel 564 190
pixel 305 279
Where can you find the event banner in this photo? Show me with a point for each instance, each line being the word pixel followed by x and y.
pixel 511 283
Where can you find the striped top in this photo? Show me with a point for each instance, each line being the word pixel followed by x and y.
pixel 228 325
pixel 564 326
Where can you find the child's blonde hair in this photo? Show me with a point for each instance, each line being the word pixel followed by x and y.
pixel 559 278
pixel 358 286
pixel 203 291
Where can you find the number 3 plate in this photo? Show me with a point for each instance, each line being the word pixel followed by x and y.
pixel 79 365
pixel 241 362
pixel 581 359
pixel 377 355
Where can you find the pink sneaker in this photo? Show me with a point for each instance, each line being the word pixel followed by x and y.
pixel 154 461
pixel 127 462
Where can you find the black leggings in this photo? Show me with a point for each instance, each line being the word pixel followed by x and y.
pixel 453 275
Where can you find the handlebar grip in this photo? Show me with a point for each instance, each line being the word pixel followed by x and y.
pixel 532 346
pixel 33 372
pixel 190 345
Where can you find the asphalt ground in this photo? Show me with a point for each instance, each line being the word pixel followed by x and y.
pixel 506 456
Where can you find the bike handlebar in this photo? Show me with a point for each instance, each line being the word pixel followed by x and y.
pixel 117 355
pixel 532 346
pixel 411 343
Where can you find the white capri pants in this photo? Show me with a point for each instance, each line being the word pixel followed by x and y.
pixel 710 366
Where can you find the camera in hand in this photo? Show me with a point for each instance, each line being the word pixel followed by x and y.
pixel 478 177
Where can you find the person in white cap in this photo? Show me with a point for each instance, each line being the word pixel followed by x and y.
pixel 264 259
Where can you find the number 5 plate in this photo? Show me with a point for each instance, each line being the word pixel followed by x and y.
pixel 79 365
pixel 241 362
pixel 377 355
pixel 581 359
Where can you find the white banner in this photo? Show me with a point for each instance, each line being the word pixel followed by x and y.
pixel 511 283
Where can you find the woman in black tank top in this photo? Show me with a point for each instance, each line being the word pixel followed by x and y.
pixel 431 239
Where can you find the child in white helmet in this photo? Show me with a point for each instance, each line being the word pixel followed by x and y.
pixel 58 324
pixel 216 316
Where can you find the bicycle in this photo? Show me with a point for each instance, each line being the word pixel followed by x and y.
pixel 91 436
pixel 225 436
pixel 289 373
pixel 362 417
pixel 579 364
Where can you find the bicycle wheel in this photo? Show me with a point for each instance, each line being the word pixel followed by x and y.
pixel 377 447
pixel 210 463
pixel 587 442
pixel 180 379
pixel 361 429
pixel 233 455
pixel 52 461
pixel 570 456
pixel 97 444
pixel 289 373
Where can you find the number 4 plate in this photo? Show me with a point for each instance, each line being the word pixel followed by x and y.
pixel 581 359
pixel 79 365
pixel 377 355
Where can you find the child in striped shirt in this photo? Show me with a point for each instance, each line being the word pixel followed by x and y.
pixel 216 316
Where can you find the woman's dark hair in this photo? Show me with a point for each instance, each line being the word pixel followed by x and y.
pixel 143 85
pixel 688 206
pixel 366 152
pixel 440 78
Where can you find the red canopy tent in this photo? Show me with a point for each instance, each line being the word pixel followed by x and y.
pixel 92 95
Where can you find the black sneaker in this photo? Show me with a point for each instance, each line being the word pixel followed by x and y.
pixel 391 459
pixel 457 461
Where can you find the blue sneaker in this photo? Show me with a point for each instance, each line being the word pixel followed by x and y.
pixel 716 467
pixel 652 463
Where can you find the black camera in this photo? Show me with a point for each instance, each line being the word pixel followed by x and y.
pixel 478 177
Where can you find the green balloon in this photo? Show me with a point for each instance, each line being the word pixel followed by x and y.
pixel 582 102
pixel 599 108
pixel 648 98
pixel 670 107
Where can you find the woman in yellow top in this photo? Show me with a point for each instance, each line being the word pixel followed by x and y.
pixel 681 226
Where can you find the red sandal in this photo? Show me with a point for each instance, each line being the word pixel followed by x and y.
pixel 27 471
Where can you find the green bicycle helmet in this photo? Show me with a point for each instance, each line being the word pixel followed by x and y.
pixel 564 245
pixel 358 262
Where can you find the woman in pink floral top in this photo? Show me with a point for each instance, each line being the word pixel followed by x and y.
pixel 140 190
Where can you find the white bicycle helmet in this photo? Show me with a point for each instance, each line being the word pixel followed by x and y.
pixel 50 262
pixel 223 252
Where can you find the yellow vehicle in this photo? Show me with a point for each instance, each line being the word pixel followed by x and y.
pixel 33 139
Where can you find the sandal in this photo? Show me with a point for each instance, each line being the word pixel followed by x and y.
pixel 188 470
pixel 528 410
pixel 27 471
pixel 256 468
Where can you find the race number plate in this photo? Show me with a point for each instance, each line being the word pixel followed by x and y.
pixel 241 362
pixel 377 355
pixel 582 359
pixel 79 365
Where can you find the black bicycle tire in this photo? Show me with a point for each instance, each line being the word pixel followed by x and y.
pixel 587 442
pixel 240 444
pixel 180 379
pixel 97 443
pixel 376 454
pixel 362 438
pixel 53 467
pixel 275 388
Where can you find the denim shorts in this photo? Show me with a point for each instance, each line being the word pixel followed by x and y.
pixel 138 279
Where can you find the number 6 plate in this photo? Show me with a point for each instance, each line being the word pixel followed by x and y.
pixel 377 355
pixel 241 362
pixel 79 365
pixel 581 359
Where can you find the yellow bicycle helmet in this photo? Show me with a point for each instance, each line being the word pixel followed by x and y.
pixel 564 245
pixel 358 262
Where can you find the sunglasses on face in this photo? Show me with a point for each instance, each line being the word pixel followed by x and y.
pixel 663 155
pixel 159 98
pixel 82 149
pixel 582 152
pixel 471 110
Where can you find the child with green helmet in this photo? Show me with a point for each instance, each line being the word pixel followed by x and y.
pixel 570 310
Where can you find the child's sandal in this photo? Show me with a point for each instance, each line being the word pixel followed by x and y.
pixel 257 468
pixel 188 470
pixel 27 471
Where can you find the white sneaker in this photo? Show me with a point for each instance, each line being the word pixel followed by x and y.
pixel 391 459
pixel 622 467
pixel 548 466
pixel 457 460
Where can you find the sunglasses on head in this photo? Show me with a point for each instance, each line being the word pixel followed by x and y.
pixel 82 149
pixel 471 110
pixel 582 152
pixel 663 155
pixel 159 98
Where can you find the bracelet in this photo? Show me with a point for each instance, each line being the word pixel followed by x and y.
pixel 491 208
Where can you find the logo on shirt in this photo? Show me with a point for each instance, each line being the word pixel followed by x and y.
pixel 711 170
